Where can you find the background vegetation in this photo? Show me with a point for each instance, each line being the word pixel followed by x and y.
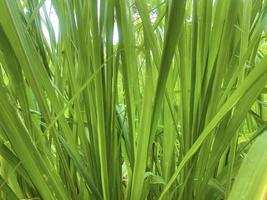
pixel 124 99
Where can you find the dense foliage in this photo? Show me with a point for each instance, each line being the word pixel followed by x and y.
pixel 124 99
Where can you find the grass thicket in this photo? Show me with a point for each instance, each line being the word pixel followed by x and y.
pixel 169 111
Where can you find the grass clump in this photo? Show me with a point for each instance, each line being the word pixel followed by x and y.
pixel 123 99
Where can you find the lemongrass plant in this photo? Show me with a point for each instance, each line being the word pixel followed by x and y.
pixel 124 99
